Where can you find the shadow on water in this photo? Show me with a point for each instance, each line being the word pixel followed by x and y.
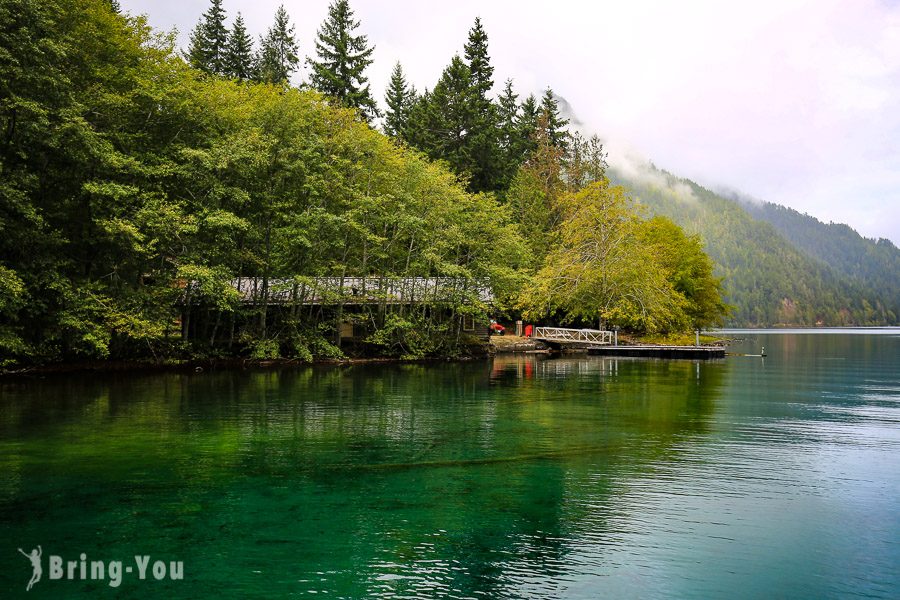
pixel 451 479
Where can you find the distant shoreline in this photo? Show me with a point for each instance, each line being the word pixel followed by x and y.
pixel 808 330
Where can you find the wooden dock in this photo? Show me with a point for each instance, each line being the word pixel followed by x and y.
pixel 605 343
pixel 688 352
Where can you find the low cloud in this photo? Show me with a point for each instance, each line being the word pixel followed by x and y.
pixel 633 167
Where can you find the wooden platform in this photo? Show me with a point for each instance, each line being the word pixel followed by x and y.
pixel 689 352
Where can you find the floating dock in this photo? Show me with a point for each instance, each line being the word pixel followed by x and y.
pixel 689 352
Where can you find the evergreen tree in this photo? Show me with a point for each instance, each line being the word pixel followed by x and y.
pixel 526 125
pixel 196 52
pixel 482 140
pixel 459 123
pixel 508 114
pixel 208 41
pixel 239 52
pixel 508 135
pixel 342 60
pixel 556 125
pixel 445 119
pixel 399 98
pixel 476 53
pixel 416 132
pixel 278 50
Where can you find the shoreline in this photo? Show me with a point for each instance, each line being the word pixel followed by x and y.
pixel 498 345
pixel 209 365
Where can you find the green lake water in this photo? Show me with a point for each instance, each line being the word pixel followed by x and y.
pixel 521 477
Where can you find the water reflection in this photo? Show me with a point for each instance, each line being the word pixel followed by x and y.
pixel 521 476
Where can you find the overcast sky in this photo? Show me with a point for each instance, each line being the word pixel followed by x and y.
pixel 792 101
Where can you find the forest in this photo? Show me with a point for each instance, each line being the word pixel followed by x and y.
pixel 780 268
pixel 141 181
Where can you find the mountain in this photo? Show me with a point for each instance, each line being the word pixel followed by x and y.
pixel 874 264
pixel 780 268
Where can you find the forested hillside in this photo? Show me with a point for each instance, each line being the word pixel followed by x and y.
pixel 875 264
pixel 772 277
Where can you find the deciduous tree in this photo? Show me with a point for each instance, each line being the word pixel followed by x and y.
pixel 597 269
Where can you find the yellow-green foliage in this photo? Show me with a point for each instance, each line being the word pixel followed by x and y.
pixel 607 262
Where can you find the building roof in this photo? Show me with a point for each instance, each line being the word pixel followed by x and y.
pixel 364 290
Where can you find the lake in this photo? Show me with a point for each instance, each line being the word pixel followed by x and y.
pixel 521 477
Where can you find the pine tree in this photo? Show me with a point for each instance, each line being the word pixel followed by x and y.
pixel 508 115
pixel 399 98
pixel 508 135
pixel 476 53
pixel 239 52
pixel 527 125
pixel 416 132
pixel 196 55
pixel 278 50
pixel 208 41
pixel 556 125
pixel 483 144
pixel 445 119
pixel 342 60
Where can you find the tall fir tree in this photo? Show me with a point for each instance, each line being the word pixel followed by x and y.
pixel 510 148
pixel 482 140
pixel 239 62
pixel 342 59
pixel 278 57
pixel 208 41
pixel 476 53
pixel 508 116
pixel 399 98
pixel 416 132
pixel 526 125
pixel 556 124
pixel 442 122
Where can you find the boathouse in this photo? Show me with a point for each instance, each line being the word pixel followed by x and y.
pixel 358 305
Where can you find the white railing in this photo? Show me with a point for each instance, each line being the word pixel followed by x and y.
pixel 585 336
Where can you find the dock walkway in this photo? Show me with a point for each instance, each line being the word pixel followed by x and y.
pixel 690 352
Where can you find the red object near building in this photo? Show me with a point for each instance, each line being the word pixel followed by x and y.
pixel 529 329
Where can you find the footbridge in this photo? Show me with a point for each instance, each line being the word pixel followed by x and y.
pixel 573 338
